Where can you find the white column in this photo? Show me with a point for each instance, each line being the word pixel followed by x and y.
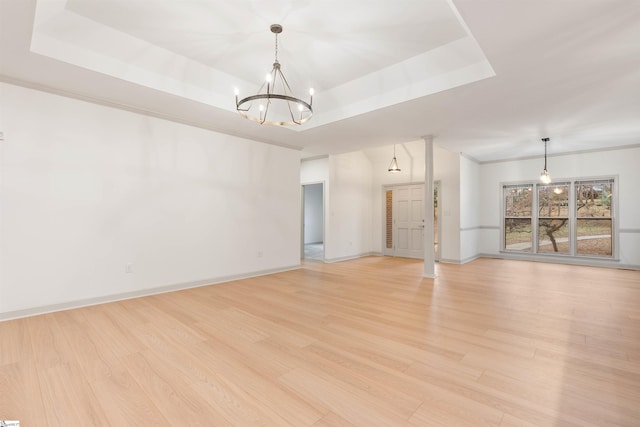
pixel 429 255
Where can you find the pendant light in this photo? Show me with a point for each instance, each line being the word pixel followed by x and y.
pixel 275 104
pixel 393 167
pixel 544 175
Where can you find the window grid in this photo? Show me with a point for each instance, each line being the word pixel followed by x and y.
pixel 559 224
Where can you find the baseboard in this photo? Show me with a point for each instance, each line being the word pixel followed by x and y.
pixel 350 257
pixel 9 315
pixel 587 262
pixel 459 261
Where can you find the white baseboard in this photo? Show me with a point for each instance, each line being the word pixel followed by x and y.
pixel 349 257
pixel 8 315
pixel 591 262
pixel 459 261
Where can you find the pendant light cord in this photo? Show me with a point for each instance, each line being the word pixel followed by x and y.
pixel 276 47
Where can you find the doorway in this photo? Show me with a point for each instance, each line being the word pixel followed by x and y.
pixel 313 221
pixel 436 220
pixel 403 234
pixel 404 222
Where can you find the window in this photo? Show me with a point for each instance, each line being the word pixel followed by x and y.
pixel 594 225
pixel 573 217
pixel 517 218
pixel 553 218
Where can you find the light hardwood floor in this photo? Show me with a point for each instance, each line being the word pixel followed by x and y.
pixel 367 342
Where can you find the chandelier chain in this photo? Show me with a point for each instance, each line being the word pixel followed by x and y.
pixel 268 96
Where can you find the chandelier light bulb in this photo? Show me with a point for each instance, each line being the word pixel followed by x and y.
pixel 312 92
pixel 267 78
pixel 544 177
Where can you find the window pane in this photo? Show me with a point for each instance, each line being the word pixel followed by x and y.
pixel 517 234
pixel 594 237
pixel 593 199
pixel 517 201
pixel 553 235
pixel 553 201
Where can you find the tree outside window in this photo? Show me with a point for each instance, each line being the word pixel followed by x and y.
pixel 575 217
pixel 594 226
pixel 517 220
pixel 553 218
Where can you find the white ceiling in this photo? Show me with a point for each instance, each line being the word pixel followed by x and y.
pixel 487 78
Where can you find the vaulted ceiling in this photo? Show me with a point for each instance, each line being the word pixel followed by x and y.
pixel 486 78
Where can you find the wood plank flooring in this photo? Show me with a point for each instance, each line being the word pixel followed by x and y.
pixel 367 342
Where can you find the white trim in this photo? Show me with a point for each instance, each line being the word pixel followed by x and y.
pixel 567 153
pixel 324 216
pixel 309 159
pixel 581 261
pixel 572 216
pixel 391 187
pixel 9 315
pixel 460 261
pixel 629 230
pixel 402 184
pixel 350 257
pixel 481 227
pixel 473 159
pixel 437 185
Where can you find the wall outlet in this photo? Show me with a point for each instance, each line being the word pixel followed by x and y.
pixel 260 254
pixel 128 268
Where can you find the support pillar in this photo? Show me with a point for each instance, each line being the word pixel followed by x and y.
pixel 429 254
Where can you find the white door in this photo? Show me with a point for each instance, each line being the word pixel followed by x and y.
pixel 408 221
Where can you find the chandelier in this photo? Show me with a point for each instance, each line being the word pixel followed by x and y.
pixel 544 176
pixel 274 104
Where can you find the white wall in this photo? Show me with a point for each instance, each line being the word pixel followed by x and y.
pixel 410 158
pixel 470 200
pixel 314 171
pixel 313 213
pixel 87 190
pixel 446 169
pixel 623 162
pixel 411 161
pixel 348 233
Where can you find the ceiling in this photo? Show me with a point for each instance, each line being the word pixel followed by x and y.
pixel 487 78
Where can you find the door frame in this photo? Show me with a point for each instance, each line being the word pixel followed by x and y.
pixel 438 232
pixel 385 188
pixel 324 216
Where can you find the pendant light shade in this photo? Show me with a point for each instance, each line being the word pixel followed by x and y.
pixel 393 166
pixel 544 175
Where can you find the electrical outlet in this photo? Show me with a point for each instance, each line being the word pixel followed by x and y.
pixel 128 268
pixel 259 254
pixel 1 136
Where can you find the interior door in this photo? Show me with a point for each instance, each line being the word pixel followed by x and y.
pixel 409 221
